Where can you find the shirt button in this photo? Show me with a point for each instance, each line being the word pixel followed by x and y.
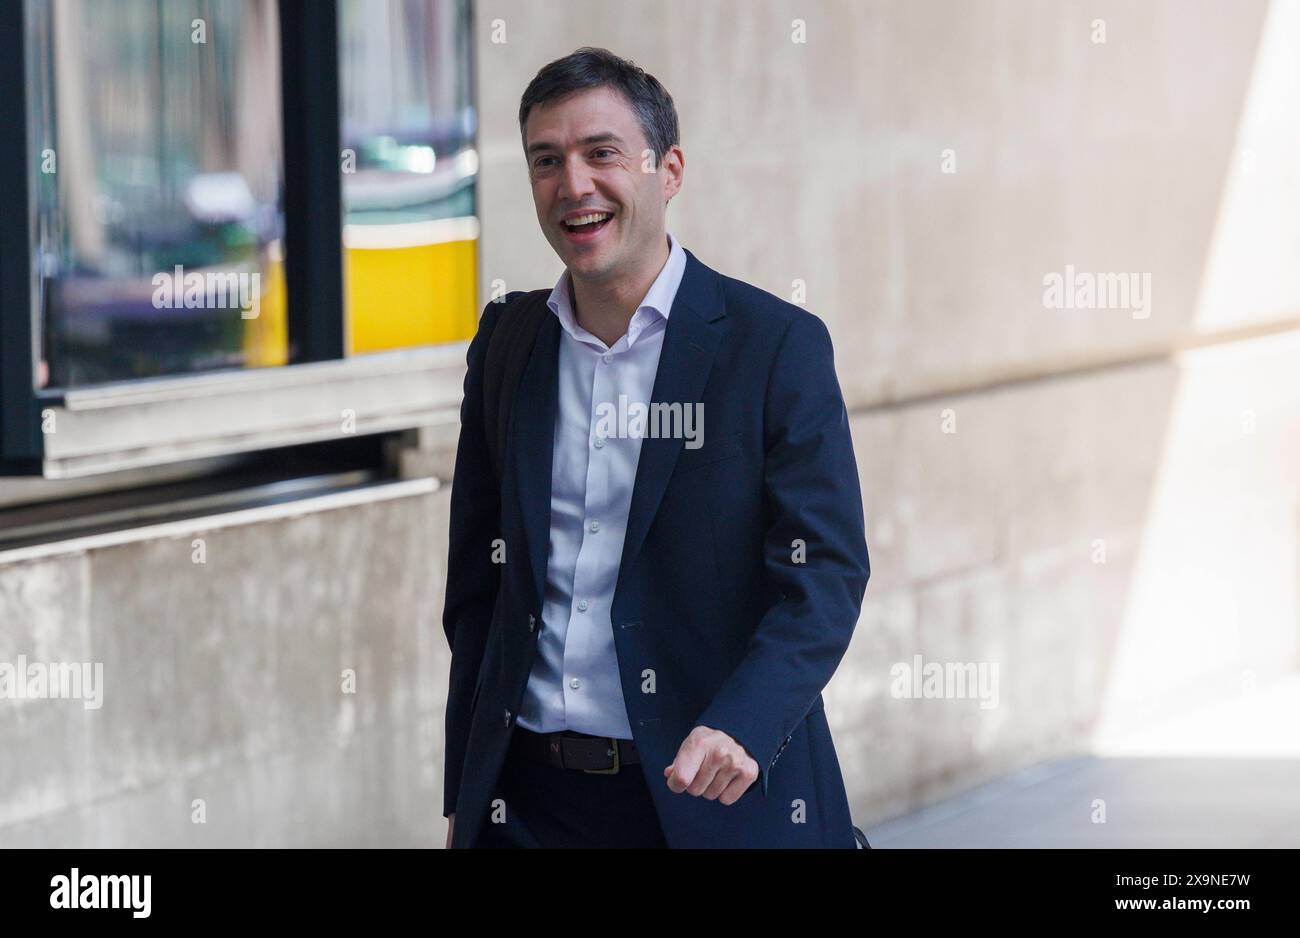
pixel 582 605
pixel 606 358
pixel 575 683
pixel 595 526
pixel 600 441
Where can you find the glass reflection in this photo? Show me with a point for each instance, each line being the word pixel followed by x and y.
pixel 157 170
pixel 409 167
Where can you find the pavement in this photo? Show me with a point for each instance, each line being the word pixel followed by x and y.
pixel 1223 776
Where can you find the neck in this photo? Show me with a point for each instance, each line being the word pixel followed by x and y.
pixel 605 309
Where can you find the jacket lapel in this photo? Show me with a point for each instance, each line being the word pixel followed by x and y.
pixel 532 428
pixel 685 360
pixel 690 341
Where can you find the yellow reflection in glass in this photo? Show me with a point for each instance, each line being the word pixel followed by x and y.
pixel 266 338
pixel 411 284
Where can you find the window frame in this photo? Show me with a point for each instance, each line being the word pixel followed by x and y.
pixel 161 420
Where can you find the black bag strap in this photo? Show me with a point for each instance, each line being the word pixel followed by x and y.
pixel 508 352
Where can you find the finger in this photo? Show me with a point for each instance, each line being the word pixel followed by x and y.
pixel 714 763
pixel 721 781
pixel 684 767
pixel 739 785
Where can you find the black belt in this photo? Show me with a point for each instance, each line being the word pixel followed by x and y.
pixel 567 749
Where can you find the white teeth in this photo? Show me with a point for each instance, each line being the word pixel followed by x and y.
pixel 588 219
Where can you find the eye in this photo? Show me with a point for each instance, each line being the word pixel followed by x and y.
pixel 543 160
pixel 603 150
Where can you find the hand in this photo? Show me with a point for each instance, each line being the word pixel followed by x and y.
pixel 712 764
pixel 451 825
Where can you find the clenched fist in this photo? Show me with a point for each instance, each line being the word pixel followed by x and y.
pixel 712 764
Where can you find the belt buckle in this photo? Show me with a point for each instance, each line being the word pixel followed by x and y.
pixel 613 769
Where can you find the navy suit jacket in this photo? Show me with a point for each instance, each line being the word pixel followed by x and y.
pixel 741 579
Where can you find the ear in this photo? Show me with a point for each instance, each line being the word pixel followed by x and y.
pixel 673 165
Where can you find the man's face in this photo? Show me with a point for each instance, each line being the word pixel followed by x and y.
pixel 586 154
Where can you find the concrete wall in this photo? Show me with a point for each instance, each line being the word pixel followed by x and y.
pixel 224 683
pixel 1103 505
pixel 1113 517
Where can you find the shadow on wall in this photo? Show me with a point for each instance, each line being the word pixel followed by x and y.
pixel 1108 531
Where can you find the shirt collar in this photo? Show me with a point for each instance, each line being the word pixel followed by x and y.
pixel 658 300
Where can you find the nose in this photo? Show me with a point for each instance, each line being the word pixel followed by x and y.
pixel 575 180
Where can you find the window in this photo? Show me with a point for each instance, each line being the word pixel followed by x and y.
pixel 225 203
pixel 157 169
pixel 409 168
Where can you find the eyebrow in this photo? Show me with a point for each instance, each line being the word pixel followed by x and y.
pixel 606 137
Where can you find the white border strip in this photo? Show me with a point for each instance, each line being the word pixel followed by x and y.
pixel 416 234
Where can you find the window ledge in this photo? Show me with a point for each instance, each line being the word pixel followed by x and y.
pixel 188 527
pixel 163 420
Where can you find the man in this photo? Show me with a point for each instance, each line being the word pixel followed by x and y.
pixel 642 625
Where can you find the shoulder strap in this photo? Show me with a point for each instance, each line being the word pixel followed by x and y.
pixel 507 354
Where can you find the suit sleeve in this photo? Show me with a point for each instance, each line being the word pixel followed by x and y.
pixel 811 490
pixel 472 578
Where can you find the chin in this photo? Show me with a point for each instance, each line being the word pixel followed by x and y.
pixel 590 265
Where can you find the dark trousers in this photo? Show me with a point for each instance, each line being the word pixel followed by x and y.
pixel 547 806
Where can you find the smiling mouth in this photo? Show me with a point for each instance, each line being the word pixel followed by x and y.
pixel 588 224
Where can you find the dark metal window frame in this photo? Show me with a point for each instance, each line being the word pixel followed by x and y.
pixel 313 197
pixel 316 315
pixel 20 430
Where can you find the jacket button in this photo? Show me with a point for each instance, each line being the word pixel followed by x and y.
pixel 507 718
pixel 532 621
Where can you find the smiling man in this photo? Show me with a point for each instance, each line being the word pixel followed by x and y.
pixel 642 629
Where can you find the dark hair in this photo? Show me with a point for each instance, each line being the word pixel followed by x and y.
pixel 592 67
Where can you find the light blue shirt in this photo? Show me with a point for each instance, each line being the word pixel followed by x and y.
pixel 574 683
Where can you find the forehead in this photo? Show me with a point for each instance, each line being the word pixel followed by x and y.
pixel 565 122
